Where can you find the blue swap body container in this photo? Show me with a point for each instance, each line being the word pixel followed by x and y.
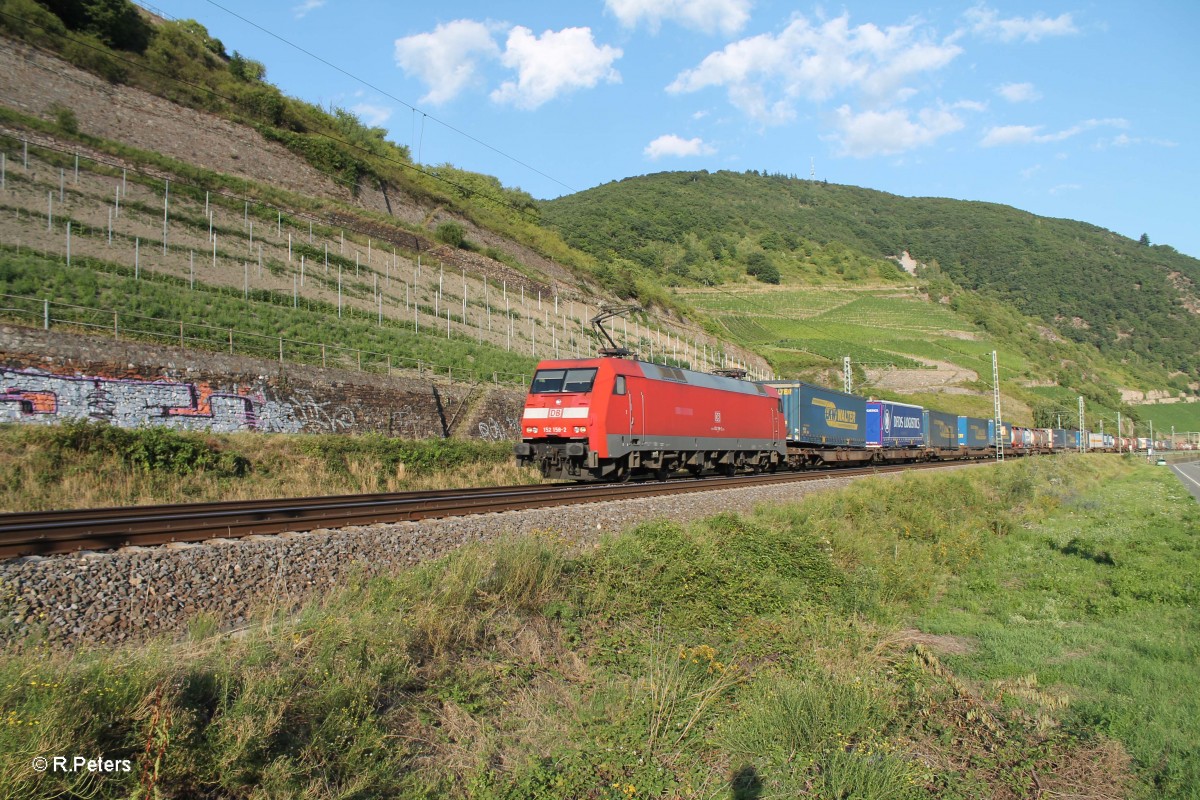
pixel 822 417
pixel 891 425
pixel 975 433
pixel 941 430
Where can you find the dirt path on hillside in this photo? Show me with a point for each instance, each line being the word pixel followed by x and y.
pixel 941 377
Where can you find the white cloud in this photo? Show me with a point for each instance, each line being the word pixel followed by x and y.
pixel 1031 134
pixel 766 75
pixel 450 58
pixel 987 22
pixel 1019 92
pixel 552 64
pixel 969 105
pixel 299 11
pixel 677 147
pixel 900 59
pixel 447 60
pixel 1010 134
pixel 1029 172
pixel 1065 187
pixel 372 115
pixel 709 16
pixel 874 133
pixel 1125 140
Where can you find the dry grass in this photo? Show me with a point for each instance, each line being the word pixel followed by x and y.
pixel 38 474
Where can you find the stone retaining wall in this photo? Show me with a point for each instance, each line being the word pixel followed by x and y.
pixel 49 377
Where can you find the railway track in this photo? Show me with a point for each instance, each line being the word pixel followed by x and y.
pixel 58 532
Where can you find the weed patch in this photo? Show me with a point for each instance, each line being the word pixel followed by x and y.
pixel 85 464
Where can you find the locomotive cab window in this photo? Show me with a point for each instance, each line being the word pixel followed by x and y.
pixel 554 381
pixel 619 385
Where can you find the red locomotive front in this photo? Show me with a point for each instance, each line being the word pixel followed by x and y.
pixel 611 418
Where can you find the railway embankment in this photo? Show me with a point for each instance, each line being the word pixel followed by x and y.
pixel 133 594
pixel 1008 631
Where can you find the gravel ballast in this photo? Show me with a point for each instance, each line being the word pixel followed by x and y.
pixel 132 594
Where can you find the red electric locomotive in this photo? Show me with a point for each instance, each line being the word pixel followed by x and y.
pixel 615 418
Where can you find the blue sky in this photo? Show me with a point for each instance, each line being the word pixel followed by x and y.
pixel 1084 110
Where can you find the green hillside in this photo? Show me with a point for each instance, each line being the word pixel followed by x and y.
pixel 180 61
pixel 1090 285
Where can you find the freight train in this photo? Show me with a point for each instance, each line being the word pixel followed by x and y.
pixel 614 418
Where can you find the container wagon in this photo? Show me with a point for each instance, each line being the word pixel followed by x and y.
pixel 941 431
pixel 894 425
pixel 976 433
pixel 824 426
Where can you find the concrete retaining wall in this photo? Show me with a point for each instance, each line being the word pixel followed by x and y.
pixel 49 377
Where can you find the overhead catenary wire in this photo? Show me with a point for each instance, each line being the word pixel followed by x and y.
pixel 393 97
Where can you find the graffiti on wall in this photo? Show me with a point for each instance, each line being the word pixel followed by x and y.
pixel 315 414
pixel 33 396
pixel 499 430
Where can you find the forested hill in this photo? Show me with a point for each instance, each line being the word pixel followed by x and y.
pixel 1091 284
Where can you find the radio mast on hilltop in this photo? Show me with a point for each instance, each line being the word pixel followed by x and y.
pixel 812 168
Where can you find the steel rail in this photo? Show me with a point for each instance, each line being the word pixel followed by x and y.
pixel 58 532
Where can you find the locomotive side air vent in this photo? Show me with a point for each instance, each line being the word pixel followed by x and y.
pixel 672 374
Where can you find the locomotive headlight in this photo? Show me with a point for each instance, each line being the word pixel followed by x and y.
pixel 581 429
pixel 531 430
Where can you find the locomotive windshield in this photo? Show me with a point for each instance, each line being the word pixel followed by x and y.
pixel 554 381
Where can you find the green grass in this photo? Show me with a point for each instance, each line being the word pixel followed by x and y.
pixel 874 326
pixel 763 655
pixel 1097 604
pixel 1184 416
pixel 806 331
